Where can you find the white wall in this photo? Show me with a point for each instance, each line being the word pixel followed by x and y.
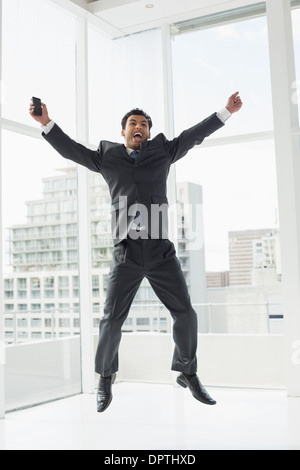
pixel 223 360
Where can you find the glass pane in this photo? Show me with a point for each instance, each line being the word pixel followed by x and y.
pixel 239 192
pixel 38 60
pixel 210 64
pixel 238 182
pixel 136 85
pixel 241 235
pixel 120 79
pixel 100 59
pixel 40 262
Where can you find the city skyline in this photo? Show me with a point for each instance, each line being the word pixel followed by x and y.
pixel 11 215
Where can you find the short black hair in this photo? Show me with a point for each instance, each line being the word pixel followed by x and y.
pixel 136 112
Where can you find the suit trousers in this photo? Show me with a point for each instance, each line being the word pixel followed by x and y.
pixel 132 261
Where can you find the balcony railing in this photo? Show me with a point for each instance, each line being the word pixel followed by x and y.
pixel 147 317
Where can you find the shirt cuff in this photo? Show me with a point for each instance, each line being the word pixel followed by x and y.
pixel 223 114
pixel 46 129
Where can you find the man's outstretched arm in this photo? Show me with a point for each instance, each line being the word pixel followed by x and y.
pixel 178 147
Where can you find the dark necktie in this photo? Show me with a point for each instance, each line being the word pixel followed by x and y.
pixel 137 220
pixel 134 154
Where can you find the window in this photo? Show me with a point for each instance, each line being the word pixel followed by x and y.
pixel 64 323
pixel 9 307
pixel 96 307
pixel 22 283
pixel 36 307
pixel 64 307
pixel 9 323
pixel 9 284
pixel 111 86
pixel 63 281
pixel 142 321
pixel 206 71
pixel 76 307
pixel 49 307
pixel 52 52
pixel 162 322
pixel 37 183
pixel 35 285
pixel 22 307
pixel 36 323
pixel 8 294
pixel 22 335
pixel 238 180
pixel 36 335
pixel 63 286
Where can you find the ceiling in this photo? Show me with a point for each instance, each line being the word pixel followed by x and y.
pixel 121 17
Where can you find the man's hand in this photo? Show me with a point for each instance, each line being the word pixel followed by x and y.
pixel 44 118
pixel 234 103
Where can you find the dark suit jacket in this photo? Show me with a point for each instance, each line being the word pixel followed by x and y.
pixel 142 181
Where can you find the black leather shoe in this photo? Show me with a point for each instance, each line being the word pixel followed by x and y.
pixel 196 387
pixel 104 394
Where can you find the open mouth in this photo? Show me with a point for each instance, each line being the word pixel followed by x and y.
pixel 137 136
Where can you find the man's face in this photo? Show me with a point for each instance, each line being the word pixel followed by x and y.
pixel 136 131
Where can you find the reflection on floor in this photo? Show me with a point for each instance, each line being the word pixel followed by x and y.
pixel 158 417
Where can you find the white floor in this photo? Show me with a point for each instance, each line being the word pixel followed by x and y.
pixel 158 417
